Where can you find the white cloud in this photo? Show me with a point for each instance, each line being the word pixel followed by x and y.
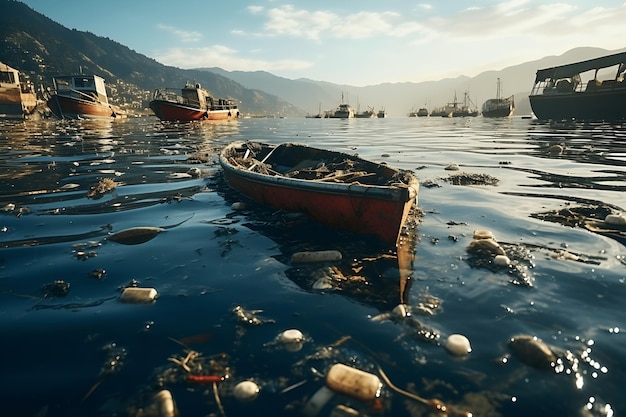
pixel 226 58
pixel 182 35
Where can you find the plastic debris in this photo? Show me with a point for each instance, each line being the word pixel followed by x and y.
pixel 458 345
pixel 353 382
pixel 246 391
pixel 135 235
pixel 316 256
pixel 136 295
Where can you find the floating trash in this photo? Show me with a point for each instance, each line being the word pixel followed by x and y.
pixel 485 247
pixel 135 235
pixel 239 205
pixel 398 312
pixel 483 234
pixel 501 260
pixel 353 382
pixel 616 219
pixel 533 351
pixel 58 288
pixel 162 406
pixel 104 186
pixel 458 345
pixel 316 256
pixel 246 391
pixel 292 339
pixel 136 295
pixel 249 317
pixel 317 402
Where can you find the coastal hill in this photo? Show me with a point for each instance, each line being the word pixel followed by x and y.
pixel 42 49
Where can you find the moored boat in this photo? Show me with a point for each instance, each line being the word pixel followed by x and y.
pixel 334 188
pixel 381 114
pixel 80 97
pixel 17 97
pixel 499 106
pixel 466 109
pixel 367 114
pixel 193 103
pixel 443 111
pixel 344 111
pixel 574 91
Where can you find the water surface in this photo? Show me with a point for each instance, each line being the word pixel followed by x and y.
pixel 85 353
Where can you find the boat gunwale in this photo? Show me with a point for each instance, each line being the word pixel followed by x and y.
pixel 399 192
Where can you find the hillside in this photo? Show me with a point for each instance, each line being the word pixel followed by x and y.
pixel 42 48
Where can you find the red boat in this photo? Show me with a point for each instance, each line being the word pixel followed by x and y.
pixel 194 103
pixel 80 97
pixel 334 188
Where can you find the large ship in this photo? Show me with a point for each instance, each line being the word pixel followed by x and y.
pixel 499 106
pixel 587 90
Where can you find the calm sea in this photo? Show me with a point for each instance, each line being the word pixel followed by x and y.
pixel 227 288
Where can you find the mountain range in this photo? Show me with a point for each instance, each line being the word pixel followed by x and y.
pixel 41 49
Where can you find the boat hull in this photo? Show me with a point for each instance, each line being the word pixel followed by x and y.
pixel 169 111
pixel 598 105
pixel 506 111
pixel 16 105
pixel 71 108
pixel 373 210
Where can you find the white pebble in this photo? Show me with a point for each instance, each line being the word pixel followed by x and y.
pixel 246 391
pixel 458 345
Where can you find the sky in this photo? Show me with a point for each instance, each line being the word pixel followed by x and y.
pixel 353 42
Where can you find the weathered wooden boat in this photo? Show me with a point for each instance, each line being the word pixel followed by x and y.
pixel 334 188
pixel 193 103
pixel 17 98
pixel 574 91
pixel 80 97
pixel 499 106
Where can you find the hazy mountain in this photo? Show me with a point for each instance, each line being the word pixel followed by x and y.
pixel 400 98
pixel 42 48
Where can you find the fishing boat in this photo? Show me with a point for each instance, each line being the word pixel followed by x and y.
pixel 344 111
pixel 80 97
pixel 17 98
pixel 193 103
pixel 466 109
pixel 498 107
pixel 443 111
pixel 587 90
pixel 367 114
pixel 333 188
pixel 381 114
